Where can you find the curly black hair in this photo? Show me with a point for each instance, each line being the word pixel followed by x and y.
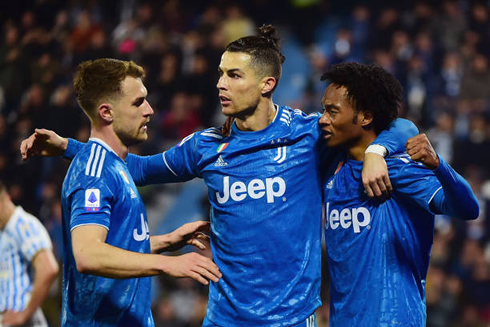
pixel 369 88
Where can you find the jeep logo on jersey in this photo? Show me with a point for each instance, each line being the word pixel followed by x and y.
pixel 256 189
pixel 347 218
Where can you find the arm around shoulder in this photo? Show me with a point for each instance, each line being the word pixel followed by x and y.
pixel 395 137
pixel 458 199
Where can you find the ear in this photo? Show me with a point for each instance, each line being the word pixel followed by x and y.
pixel 268 84
pixel 105 112
pixel 366 118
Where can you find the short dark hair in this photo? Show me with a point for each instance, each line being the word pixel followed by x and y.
pixel 369 88
pixel 98 80
pixel 264 50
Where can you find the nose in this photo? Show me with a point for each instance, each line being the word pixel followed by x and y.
pixel 221 83
pixel 149 110
pixel 325 118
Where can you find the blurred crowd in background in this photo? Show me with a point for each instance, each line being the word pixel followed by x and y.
pixel 439 50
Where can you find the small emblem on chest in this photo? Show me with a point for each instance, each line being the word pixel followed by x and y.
pixel 220 162
pixel 281 154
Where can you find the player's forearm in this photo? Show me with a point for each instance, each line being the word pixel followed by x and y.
pixel 394 138
pixel 457 198
pixel 105 260
pixel 153 169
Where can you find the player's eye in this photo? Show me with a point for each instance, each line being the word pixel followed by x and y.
pixel 139 102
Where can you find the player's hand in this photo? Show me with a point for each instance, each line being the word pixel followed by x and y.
pixel 43 142
pixel 190 234
pixel 375 177
pixel 195 266
pixel 420 149
pixel 12 318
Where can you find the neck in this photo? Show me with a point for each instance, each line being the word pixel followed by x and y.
pixel 356 151
pixel 107 134
pixel 259 118
pixel 6 213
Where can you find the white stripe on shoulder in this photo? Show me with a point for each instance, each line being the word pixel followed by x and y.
pixel 403 157
pixel 405 160
pixel 213 129
pixel 166 164
pixel 101 163
pixel 90 158
pixel 216 136
pixel 96 161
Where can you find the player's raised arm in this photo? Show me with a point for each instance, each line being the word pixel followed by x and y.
pixel 456 197
pixel 43 142
pixel 178 164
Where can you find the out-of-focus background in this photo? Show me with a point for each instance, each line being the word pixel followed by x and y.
pixel 439 50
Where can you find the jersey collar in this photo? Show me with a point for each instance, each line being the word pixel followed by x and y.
pixel 254 134
pixel 105 145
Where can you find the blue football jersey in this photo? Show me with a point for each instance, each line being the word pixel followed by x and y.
pixel 98 189
pixel 265 193
pixel 378 252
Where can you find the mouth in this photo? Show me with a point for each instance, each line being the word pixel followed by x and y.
pixel 225 101
pixel 144 127
pixel 326 134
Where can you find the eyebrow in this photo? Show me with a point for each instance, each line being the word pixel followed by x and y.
pixel 330 105
pixel 232 70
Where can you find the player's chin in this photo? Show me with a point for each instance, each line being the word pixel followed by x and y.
pixel 331 142
pixel 141 137
pixel 228 110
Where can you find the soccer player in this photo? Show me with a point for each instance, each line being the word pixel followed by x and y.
pixel 27 265
pixel 264 186
pixel 378 252
pixel 108 251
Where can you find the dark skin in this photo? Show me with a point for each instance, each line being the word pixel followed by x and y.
pixel 420 149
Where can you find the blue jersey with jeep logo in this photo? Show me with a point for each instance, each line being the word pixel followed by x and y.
pixel 378 252
pixel 265 191
pixel 98 190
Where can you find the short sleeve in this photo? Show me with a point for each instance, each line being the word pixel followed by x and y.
pixel 92 203
pixel 31 236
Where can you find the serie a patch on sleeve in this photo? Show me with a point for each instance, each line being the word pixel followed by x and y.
pixel 92 199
